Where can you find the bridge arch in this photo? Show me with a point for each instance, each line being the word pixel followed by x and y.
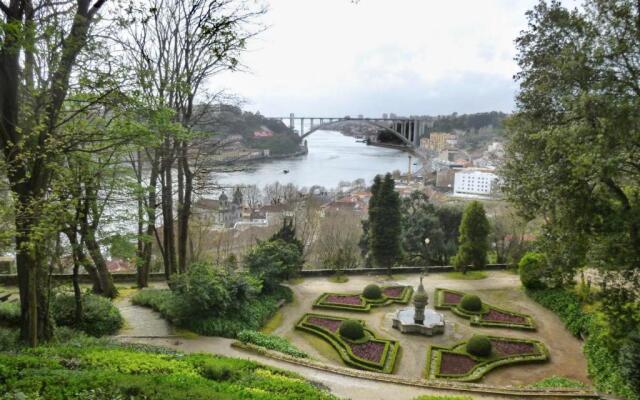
pixel 330 124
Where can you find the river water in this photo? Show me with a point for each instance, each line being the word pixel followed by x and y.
pixel 333 157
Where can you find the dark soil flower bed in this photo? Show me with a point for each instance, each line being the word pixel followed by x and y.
pixel 329 324
pixel 507 348
pixel 394 291
pixel 456 364
pixel 371 351
pixel 499 316
pixel 452 298
pixel 352 300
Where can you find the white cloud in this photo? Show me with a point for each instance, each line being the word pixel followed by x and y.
pixel 404 56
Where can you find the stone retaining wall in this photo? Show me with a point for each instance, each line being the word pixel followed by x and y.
pixel 12 279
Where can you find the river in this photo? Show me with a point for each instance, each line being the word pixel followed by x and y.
pixel 333 157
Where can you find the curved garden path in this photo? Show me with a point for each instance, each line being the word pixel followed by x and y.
pixel 500 288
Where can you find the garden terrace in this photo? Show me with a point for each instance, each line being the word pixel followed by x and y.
pixel 488 316
pixel 369 353
pixel 357 302
pixel 456 363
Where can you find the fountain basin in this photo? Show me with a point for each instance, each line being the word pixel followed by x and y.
pixel 433 322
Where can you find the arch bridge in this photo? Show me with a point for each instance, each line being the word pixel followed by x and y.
pixel 408 130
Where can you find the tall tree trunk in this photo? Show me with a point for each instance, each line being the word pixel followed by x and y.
pixel 143 272
pixel 184 210
pixel 168 233
pixel 88 232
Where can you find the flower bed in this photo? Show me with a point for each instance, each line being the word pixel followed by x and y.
pixel 371 353
pixel 456 364
pixel 357 302
pixel 488 316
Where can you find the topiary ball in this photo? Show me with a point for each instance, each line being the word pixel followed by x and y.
pixel 471 302
pixel 351 329
pixel 479 346
pixel 372 291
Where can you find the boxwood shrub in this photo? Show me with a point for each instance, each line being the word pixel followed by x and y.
pixel 351 329
pixel 471 302
pixel 99 316
pixel 479 346
pixel 372 291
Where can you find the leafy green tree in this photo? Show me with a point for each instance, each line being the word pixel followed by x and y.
pixel 630 361
pixel 474 238
pixel 274 261
pixel 385 223
pixel 420 222
pixel 572 154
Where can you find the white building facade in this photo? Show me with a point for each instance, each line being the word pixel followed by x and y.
pixel 475 181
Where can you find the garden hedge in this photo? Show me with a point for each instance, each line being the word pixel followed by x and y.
pixel 365 303
pixel 476 317
pixel 483 364
pixel 343 346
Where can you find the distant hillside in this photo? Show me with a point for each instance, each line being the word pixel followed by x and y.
pixel 468 123
pixel 257 131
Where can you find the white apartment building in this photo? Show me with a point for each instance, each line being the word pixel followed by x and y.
pixel 476 181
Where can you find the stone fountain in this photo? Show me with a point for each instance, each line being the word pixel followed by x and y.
pixel 417 319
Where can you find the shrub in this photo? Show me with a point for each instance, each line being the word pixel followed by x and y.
pixel 274 262
pixel 99 316
pixel 372 291
pixel 533 268
pixel 567 305
pixel 471 302
pixel 479 346
pixel 206 290
pixel 270 342
pixel 558 382
pixel 351 329
pixel 9 339
pixel 255 312
pixel 630 361
pixel 9 314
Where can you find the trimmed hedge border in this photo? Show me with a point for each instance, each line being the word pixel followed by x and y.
pixel 387 360
pixel 438 384
pixel 483 365
pixel 365 303
pixel 476 318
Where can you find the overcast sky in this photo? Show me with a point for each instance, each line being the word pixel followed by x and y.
pixel 336 58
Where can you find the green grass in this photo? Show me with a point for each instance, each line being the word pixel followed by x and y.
pixel 339 279
pixel 295 281
pixel 469 276
pixel 86 369
pixel 558 382
pixel 443 398
pixel 273 323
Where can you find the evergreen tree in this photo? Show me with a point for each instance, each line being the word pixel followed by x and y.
pixel 385 222
pixel 474 238
pixel 287 233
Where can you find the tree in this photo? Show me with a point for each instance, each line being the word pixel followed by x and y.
pixel 420 222
pixel 287 233
pixel 39 49
pixel 337 241
pixel 273 261
pixel 574 141
pixel 474 238
pixel 385 224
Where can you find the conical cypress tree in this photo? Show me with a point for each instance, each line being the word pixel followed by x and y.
pixel 474 238
pixel 385 225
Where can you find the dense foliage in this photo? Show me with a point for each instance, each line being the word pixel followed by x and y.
pixel 474 238
pixel 271 342
pixel 351 329
pixel 204 290
pixel 422 220
pixel 385 223
pixel 252 313
pixel 603 355
pixel 479 346
pixel 573 142
pixel 96 370
pixel 471 302
pixel 372 291
pixel 274 261
pixel 99 316
pixel 533 269
pixel 558 382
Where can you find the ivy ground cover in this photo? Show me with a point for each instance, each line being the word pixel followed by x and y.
pixel 489 315
pixel 357 302
pixel 457 364
pixel 369 353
